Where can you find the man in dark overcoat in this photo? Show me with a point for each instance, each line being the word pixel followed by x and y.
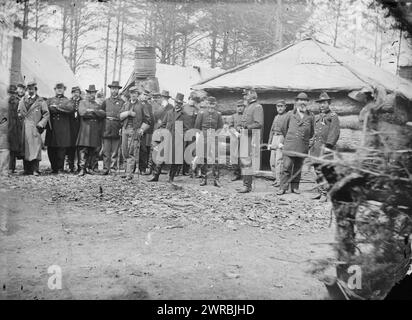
pixel 15 139
pixel 72 152
pixel 58 136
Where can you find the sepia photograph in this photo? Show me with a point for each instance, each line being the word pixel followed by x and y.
pixel 206 155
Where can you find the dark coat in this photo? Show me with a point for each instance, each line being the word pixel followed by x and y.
pixel 327 131
pixel 112 124
pixel 192 111
pixel 252 117
pixel 298 132
pixel 58 129
pixel 74 122
pixel 278 126
pixel 15 126
pixel 147 137
pixel 142 120
pixel 208 120
pixel 160 114
pixel 90 134
pixel 34 112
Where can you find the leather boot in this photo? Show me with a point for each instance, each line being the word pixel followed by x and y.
pixel 203 182
pixel 82 172
pixel 216 183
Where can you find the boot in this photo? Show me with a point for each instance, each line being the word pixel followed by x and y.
pixel 295 191
pixel 247 184
pixel 203 182
pixel 216 183
pixel 236 178
pixel 281 192
pixel 154 178
pixel 82 172
pixel 316 196
pixel 245 189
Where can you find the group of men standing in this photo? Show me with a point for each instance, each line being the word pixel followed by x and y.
pixel 81 128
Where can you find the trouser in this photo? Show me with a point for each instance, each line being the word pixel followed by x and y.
pixel 110 153
pixel 71 153
pixel 87 155
pixel 4 160
pixel 174 168
pixel 56 157
pixel 94 159
pixel 12 160
pixel 319 178
pixel 276 157
pixel 144 154
pixel 291 173
pixel 215 170
pixel 31 166
pixel 130 150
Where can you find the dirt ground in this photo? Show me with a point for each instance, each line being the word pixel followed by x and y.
pixel 138 240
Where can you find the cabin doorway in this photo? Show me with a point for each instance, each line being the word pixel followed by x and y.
pixel 269 113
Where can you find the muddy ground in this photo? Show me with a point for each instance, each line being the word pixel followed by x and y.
pixel 137 240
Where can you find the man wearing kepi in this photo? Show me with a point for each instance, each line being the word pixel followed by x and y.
pixel 58 129
pixel 327 132
pixel 252 120
pixel 73 151
pixel 135 121
pixel 89 138
pixel 112 126
pixel 276 139
pixel 35 115
pixel 299 128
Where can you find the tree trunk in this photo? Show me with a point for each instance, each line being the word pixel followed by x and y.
pixel 338 14
pixel 213 49
pixel 71 35
pixel 106 61
pixel 279 26
pixel 399 52
pixel 117 41
pixel 121 47
pixel 64 22
pixel 36 28
pixel 25 19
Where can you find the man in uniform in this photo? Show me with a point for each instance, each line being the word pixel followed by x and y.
pixel 237 125
pixel 209 121
pixel 14 128
pixel 89 138
pixel 136 120
pixel 112 127
pixel 276 139
pixel 327 131
pixel 58 129
pixel 35 114
pixel 299 129
pixel 146 142
pixel 72 151
pixel 169 123
pixel 252 119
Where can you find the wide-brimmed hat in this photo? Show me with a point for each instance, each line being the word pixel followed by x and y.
pixel 165 93
pixel 92 88
pixel 60 85
pixel 323 97
pixel 21 85
pixel 76 89
pixel 179 97
pixel 280 102
pixel 12 89
pixel 115 84
pixel 32 84
pixel 302 96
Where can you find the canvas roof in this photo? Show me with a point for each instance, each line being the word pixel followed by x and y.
pixel 45 65
pixel 178 79
pixel 308 65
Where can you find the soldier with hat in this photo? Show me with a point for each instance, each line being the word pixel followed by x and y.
pixel 146 141
pixel 72 152
pixel 276 139
pixel 35 114
pixel 112 127
pixel 208 121
pixel 327 131
pixel 173 148
pixel 89 137
pixel 252 119
pixel 14 124
pixel 299 129
pixel 58 136
pixel 237 125
pixel 136 120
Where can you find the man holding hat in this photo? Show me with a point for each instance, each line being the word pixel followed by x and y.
pixel 252 119
pixel 276 138
pixel 169 122
pixel 89 138
pixel 299 129
pixel 14 134
pixel 112 127
pixel 73 151
pixel 135 121
pixel 58 136
pixel 35 114
pixel 327 131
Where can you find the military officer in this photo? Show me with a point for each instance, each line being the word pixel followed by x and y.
pixel 35 114
pixel 14 135
pixel 327 131
pixel 252 119
pixel 89 138
pixel 237 125
pixel 146 141
pixel 58 129
pixel 72 152
pixel 276 139
pixel 209 121
pixel 136 120
pixel 112 127
pixel 299 128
